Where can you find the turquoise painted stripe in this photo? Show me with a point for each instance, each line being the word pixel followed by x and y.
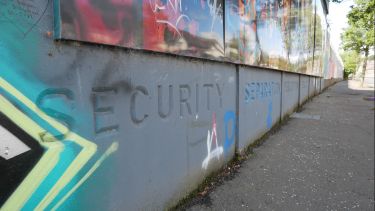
pixel 71 150
pixel 66 157
pixel 35 117
pixel 73 182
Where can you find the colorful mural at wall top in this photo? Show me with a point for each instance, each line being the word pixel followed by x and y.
pixel 279 34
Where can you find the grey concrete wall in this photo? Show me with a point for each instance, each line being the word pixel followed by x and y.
pixel 304 89
pixel 159 123
pixel 328 82
pixel 290 93
pixel 167 112
pixel 312 86
pixel 317 85
pixel 174 120
pixel 320 84
pixel 259 103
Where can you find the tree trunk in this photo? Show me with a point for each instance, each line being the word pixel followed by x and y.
pixel 364 66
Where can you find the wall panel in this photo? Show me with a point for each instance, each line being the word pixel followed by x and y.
pixel 259 103
pixel 290 93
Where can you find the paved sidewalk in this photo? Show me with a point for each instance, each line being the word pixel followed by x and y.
pixel 321 163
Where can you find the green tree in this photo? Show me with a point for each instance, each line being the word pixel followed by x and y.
pixel 351 59
pixel 359 36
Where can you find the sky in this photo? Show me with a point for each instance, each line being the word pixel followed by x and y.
pixel 338 21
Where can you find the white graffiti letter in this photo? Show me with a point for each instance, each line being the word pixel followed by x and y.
pixel 218 151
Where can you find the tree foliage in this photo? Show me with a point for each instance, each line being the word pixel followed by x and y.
pixel 359 36
pixel 350 59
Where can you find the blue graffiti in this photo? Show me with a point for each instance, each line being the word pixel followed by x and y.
pixel 269 115
pixel 229 117
pixel 261 90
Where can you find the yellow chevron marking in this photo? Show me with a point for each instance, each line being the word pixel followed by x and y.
pixel 88 148
pixel 48 161
pixel 113 148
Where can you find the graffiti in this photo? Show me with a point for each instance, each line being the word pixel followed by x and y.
pixel 10 145
pixel 178 26
pixel 230 130
pixel 241 31
pixel 261 90
pixel 252 27
pixel 264 92
pixel 175 16
pixel 111 149
pixel 107 22
pixel 71 124
pixel 213 148
pixel 67 120
pixel 271 33
pixel 269 115
pixel 24 15
pixel 25 153
pixel 60 162
pixel 215 10
pixel 183 27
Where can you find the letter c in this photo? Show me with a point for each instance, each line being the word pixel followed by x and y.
pixel 133 114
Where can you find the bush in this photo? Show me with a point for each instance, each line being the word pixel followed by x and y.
pixel 351 61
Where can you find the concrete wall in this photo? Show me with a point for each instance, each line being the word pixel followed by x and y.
pixel 303 89
pixel 290 93
pixel 329 82
pixel 259 103
pixel 317 85
pixel 174 120
pixel 109 128
pixel 312 85
pixel 160 124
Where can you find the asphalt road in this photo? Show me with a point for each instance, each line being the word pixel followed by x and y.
pixel 323 159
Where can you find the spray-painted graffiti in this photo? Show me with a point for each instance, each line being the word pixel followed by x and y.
pixel 261 90
pixel 107 22
pixel 184 27
pixel 214 150
pixel 67 120
pixel 269 115
pixel 230 128
pixel 16 147
pixel 64 158
pixel 178 26
pixel 169 14
pixel 73 120
pixel 241 31
pixel 272 33
pixel 10 145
